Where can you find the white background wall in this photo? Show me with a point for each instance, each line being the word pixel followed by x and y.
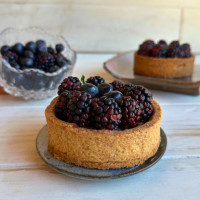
pixel 108 25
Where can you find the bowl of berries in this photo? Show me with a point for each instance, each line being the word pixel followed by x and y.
pixel 33 62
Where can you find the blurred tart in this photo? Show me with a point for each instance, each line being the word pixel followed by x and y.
pixel 164 61
pixel 104 144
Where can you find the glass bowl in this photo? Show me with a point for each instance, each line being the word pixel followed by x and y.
pixel 33 83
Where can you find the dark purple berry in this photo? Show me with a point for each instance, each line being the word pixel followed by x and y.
pixel 106 113
pixel 185 51
pixel 95 80
pixel 71 83
pixel 18 48
pixel 61 105
pixel 31 46
pixel 158 51
pixel 104 88
pixel 130 112
pixel 59 48
pixel 117 85
pixel 29 54
pixel 91 89
pixel 162 43
pixel 10 56
pixel 41 45
pixel 4 49
pixel 26 62
pixel 145 47
pixel 114 94
pixel 50 50
pixel 139 93
pixel 44 61
pixel 79 109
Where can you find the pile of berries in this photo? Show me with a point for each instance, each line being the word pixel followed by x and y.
pixel 163 50
pixel 35 55
pixel 99 105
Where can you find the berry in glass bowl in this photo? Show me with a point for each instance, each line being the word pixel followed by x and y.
pixel 33 62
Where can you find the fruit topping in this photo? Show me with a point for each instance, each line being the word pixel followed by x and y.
pixel 104 88
pixel 91 89
pixel 163 50
pixel 130 112
pixel 79 109
pixel 106 114
pixel 61 105
pixel 95 80
pixel 100 107
pixel 114 94
pixel 71 83
pixel 117 85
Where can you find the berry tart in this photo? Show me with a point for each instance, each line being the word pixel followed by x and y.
pixel 103 125
pixel 163 60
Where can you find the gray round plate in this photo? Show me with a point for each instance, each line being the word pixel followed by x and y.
pixel 86 173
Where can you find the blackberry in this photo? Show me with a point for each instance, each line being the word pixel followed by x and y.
pixel 70 83
pixel 79 109
pixel 127 87
pixel 10 56
pixel 173 49
pixel 4 49
pixel 130 112
pixel 59 48
pixel 146 111
pixel 158 51
pixel 139 93
pixel 61 105
pixel 44 61
pixel 61 61
pixel 106 113
pixel 50 50
pixel 185 50
pixel 95 80
pixel 145 47
pixel 117 85
pixel 162 43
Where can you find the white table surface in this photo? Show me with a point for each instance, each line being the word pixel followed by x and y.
pixel 24 176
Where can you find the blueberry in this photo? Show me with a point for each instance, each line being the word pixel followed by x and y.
pixel 91 89
pixel 15 65
pixel 31 46
pixel 50 50
pixel 18 48
pixel 4 49
pixel 61 61
pixel 104 88
pixel 26 62
pixel 53 69
pixel 41 45
pixel 29 54
pixel 59 48
pixel 113 94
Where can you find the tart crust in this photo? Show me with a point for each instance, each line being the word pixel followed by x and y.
pixel 163 67
pixel 103 149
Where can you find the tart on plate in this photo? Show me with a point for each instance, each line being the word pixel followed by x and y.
pixel 163 60
pixel 100 125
